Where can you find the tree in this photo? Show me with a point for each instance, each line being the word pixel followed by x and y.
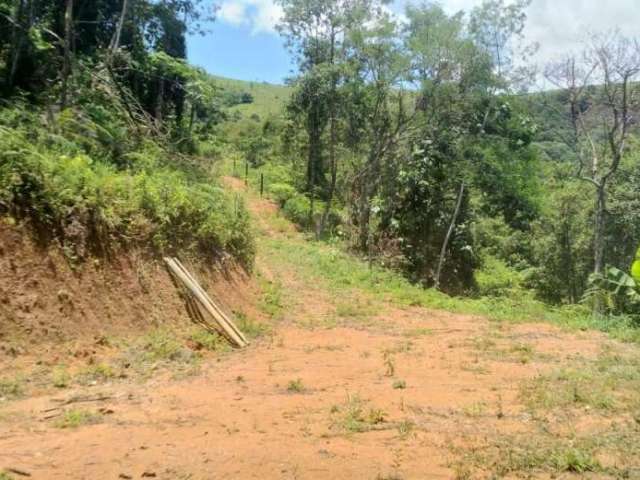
pixel 317 31
pixel 601 97
pixel 379 116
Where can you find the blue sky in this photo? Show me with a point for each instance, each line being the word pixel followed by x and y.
pixel 236 51
pixel 244 44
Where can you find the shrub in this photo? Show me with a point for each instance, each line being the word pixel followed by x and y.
pixel 282 192
pixel 496 278
pixel 88 203
pixel 297 209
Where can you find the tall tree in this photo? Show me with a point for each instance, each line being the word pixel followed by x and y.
pixel 317 33
pixel 602 96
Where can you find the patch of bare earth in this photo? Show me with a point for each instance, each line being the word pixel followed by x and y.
pixel 416 394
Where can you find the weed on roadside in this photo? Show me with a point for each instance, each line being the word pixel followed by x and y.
pixel 11 387
pixel 354 417
pixel 399 385
pixel 475 410
pixel 60 377
pixel 76 418
pixel 295 386
pixel 251 328
pixel 210 341
pixel 405 427
pixel 271 302
pixel 610 383
pixel 98 373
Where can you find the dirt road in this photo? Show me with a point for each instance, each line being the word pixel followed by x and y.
pixel 405 393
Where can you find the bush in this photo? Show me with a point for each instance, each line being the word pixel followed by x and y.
pixel 496 278
pixel 90 204
pixel 282 192
pixel 297 208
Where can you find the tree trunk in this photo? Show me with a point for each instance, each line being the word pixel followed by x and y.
pixel 115 42
pixel 332 142
pixel 66 67
pixel 16 42
pixel 447 237
pixel 159 104
pixel 599 241
pixel 192 118
pixel 364 216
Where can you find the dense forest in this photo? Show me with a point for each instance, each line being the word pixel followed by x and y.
pixel 419 143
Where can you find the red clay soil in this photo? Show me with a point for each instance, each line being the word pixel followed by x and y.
pixel 48 307
pixel 322 403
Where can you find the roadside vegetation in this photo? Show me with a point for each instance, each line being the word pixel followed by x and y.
pixel 451 172
pixel 111 144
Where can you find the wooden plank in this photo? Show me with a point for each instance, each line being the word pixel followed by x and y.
pixel 224 316
pixel 201 296
pixel 195 314
pixel 197 291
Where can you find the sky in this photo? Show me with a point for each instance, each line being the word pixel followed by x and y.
pixel 244 44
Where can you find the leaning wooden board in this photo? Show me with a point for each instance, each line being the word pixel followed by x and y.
pixel 228 328
pixel 222 314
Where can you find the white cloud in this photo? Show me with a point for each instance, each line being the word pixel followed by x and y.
pixel 260 15
pixel 557 25
pixel 233 13
pixel 560 26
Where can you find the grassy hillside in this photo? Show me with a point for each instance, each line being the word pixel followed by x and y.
pixel 268 99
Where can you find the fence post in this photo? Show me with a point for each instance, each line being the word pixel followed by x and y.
pixel 261 184
pixel 246 173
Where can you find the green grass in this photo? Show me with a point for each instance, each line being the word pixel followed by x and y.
pixel 353 417
pixel 296 386
pixel 341 273
pixel 158 348
pixel 162 344
pixel 399 385
pixel 60 377
pixel 98 373
pixel 516 455
pixel 272 301
pixel 251 328
pixel 11 387
pixel 209 341
pixel 610 383
pixel 76 418
pixel 268 98
pixel 405 427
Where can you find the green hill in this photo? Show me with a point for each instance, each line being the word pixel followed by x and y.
pixel 268 98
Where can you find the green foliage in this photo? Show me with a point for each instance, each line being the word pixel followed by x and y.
pixel 399 385
pixel 213 342
pixel 297 209
pixel 495 278
pixel 282 192
pixel 561 244
pixel 11 387
pixel 60 377
pixel 615 289
pixel 89 203
pixel 268 99
pixel 575 460
pixel 635 267
pixel 296 386
pixel 343 273
pixel 76 418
